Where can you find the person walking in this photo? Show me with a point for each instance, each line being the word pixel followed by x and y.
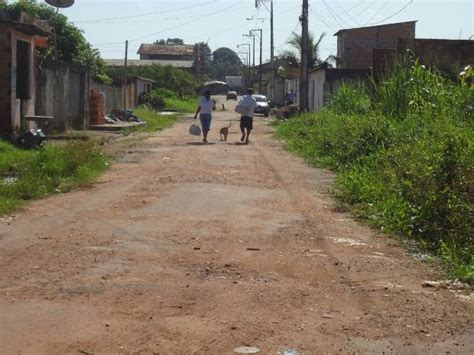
pixel 246 120
pixel 206 104
pixel 290 97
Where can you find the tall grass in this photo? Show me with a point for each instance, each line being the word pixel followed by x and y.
pixel 406 164
pixel 30 174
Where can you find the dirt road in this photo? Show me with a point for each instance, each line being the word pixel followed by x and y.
pixel 186 248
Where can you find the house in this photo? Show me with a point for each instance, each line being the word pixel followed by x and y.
pixel 324 80
pixel 19 34
pixel 355 46
pixel 179 55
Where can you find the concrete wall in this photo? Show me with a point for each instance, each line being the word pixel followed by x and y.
pixel 63 92
pixel 324 82
pixel 316 81
pixel 113 95
pixel 355 46
pixel 5 81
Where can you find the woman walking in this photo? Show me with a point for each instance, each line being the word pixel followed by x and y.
pixel 204 110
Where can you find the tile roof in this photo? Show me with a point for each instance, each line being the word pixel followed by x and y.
pixel 142 62
pixel 164 49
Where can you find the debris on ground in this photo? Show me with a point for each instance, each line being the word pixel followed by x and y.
pixel 446 284
pixel 246 350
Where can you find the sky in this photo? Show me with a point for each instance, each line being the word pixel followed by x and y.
pixel 222 23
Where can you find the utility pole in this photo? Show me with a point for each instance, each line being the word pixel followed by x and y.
pixel 272 48
pixel 261 59
pixel 272 54
pixel 125 77
pixel 253 65
pixel 304 58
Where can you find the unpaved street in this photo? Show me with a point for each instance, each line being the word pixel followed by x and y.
pixel 186 248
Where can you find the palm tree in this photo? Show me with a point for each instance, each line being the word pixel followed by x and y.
pixel 293 55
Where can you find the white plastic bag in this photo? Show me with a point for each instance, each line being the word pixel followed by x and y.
pixel 241 108
pixel 195 130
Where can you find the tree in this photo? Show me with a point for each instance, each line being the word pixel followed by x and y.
pixel 224 62
pixel 203 56
pixel 71 43
pixel 293 56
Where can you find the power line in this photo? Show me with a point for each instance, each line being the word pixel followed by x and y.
pixel 330 26
pixel 378 12
pixel 186 23
pixel 396 13
pixel 199 18
pixel 346 12
pixel 143 15
pixel 334 14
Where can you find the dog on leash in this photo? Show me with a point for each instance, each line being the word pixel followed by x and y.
pixel 224 132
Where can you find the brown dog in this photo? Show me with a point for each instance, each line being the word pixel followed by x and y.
pixel 225 132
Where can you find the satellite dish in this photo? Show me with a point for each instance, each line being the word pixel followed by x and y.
pixel 60 3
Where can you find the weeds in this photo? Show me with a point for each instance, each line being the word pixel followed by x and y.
pixel 30 174
pixel 406 164
pixel 154 121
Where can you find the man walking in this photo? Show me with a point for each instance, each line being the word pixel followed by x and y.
pixel 246 121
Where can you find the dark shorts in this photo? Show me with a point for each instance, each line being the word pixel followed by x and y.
pixel 246 122
pixel 205 119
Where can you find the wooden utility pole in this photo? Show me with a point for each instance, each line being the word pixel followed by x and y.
pixel 304 58
pixel 272 54
pixel 125 77
pixel 261 59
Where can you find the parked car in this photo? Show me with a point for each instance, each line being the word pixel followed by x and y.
pixel 263 106
pixel 231 95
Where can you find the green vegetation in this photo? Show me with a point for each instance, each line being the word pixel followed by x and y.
pixel 163 99
pixel 30 174
pixel 405 163
pixel 154 121
pixel 183 83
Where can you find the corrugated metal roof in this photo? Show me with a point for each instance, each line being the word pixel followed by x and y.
pixel 164 49
pixel 186 64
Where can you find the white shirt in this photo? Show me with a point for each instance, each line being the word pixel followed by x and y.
pixel 249 102
pixel 206 105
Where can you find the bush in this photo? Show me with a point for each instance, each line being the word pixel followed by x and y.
pixel 406 165
pixel 351 98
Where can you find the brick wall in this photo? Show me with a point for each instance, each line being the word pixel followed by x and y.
pixel 355 46
pixel 5 81
pixel 450 56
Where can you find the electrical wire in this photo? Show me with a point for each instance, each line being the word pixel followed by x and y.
pixel 377 12
pixel 346 13
pixel 330 26
pixel 334 14
pixel 143 15
pixel 199 18
pixel 396 13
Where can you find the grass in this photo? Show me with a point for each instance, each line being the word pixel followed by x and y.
pixel 31 174
pixel 154 121
pixel 181 105
pixel 404 163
